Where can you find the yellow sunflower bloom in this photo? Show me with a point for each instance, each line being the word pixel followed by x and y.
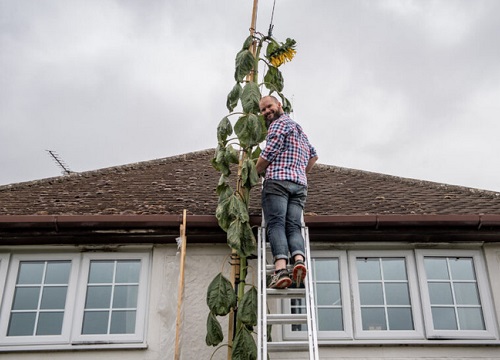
pixel 283 53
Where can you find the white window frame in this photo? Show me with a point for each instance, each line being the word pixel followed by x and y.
pixel 424 332
pixel 4 264
pixel 484 293
pixel 10 287
pixel 138 334
pixel 71 337
pixel 346 333
pixel 359 332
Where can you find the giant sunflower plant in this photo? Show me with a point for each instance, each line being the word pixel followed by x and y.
pixel 238 146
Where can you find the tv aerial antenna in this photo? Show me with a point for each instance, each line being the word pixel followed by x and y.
pixel 57 159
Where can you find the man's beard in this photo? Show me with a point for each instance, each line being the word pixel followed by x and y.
pixel 275 116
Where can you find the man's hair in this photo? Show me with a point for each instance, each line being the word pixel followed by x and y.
pixel 270 96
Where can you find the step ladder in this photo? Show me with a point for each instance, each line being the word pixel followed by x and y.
pixel 264 319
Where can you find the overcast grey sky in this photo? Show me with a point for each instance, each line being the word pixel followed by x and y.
pixel 400 87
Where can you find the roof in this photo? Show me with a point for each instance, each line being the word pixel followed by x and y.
pixel 170 185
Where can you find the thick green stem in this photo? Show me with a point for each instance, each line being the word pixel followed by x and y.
pixel 241 285
pixel 256 61
pixel 243 275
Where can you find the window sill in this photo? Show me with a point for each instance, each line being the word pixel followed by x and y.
pixel 422 342
pixel 80 346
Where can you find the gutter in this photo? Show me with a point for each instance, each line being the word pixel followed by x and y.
pixel 21 229
pixel 57 222
pixel 384 221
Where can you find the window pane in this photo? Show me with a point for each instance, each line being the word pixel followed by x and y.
pixel 460 289
pixel 330 320
pixel 368 269
pixel 101 272
pixel 373 319
pixel 122 322
pixel 21 324
pixel 466 294
pixel 30 272
pixel 128 271
pixel 95 322
pixel 462 269
pixel 397 294
pixel 371 294
pixel 436 268
pixel 326 269
pixel 44 296
pixel 26 298
pixel 328 294
pixel 394 269
pixel 471 319
pixel 50 323
pixel 298 306
pixel 53 297
pixel 125 296
pixel 98 297
pixel 107 289
pixel 58 272
pixel 440 293
pixel 444 318
pixel 400 319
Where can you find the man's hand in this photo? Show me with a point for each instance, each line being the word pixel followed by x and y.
pixel 261 166
pixel 311 163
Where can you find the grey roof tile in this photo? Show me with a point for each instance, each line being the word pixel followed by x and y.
pixel 188 181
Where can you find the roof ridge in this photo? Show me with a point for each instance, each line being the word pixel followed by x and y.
pixel 195 154
pixel 145 163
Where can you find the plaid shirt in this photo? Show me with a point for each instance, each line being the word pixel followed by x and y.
pixel 288 150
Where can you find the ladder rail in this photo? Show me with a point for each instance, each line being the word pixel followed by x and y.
pixel 312 333
pixel 260 301
pixel 263 336
pixel 262 306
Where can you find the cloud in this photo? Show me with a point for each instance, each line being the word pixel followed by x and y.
pixel 407 88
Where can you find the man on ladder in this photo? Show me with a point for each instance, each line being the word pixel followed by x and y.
pixel 286 159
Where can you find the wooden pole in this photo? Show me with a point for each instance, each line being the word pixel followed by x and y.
pixel 235 269
pixel 252 31
pixel 180 293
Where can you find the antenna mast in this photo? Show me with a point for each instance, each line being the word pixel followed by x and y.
pixel 59 162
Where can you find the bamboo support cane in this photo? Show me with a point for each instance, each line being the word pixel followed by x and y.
pixel 180 294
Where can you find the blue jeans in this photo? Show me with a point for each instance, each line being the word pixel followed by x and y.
pixel 282 203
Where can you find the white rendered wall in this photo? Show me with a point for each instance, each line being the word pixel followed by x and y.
pixel 202 264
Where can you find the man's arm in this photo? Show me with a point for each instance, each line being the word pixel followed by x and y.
pixel 310 163
pixel 261 165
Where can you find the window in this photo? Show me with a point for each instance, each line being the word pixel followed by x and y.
pixel 4 262
pixel 39 298
pixel 114 301
pixel 332 299
pixel 397 295
pixel 385 295
pixel 73 298
pixel 455 294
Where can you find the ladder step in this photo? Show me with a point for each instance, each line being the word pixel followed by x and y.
pixel 287 318
pixel 286 293
pixel 287 346
pixel 270 269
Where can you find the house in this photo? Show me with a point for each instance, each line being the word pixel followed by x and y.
pixel 89 264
